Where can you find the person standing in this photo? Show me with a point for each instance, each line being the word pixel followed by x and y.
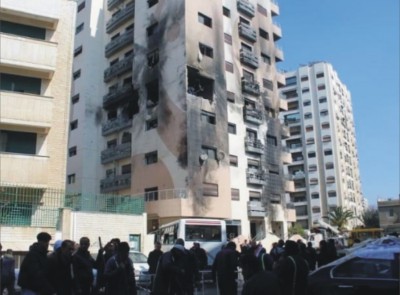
pixel 59 268
pixel 32 275
pixel 7 266
pixel 224 269
pixel 311 256
pixel 200 255
pixel 153 258
pixel 119 273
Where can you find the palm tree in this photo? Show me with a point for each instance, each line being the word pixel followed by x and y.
pixel 340 217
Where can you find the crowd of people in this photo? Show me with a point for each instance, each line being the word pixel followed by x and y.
pixel 69 268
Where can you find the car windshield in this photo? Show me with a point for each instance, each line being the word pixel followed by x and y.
pixel 137 257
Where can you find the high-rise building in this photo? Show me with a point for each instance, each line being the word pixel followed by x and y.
pixel 178 101
pixel 322 143
pixel 35 80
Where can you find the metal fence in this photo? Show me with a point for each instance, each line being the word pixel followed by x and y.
pixel 41 207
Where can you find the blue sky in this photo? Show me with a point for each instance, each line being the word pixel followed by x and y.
pixel 360 38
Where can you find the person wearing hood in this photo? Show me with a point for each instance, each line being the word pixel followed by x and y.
pixel 32 275
pixel 224 269
pixel 7 265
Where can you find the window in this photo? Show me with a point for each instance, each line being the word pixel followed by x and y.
pixel 311 154
pixel 227 39
pixel 210 152
pixel 233 160
pixel 76 74
pixel 290 94
pixel 262 10
pixel 328 152
pixel 325 125
pixel 271 140
pixel 77 51
pixel 365 268
pixel 316 209
pixel 263 34
pixel 151 124
pixel 151 158
pixel 307 103
pixel 305 90
pixel 391 212
pixel 330 179
pixel 315 196
pixel 307 116
pixel 291 81
pixel 210 189
pixel 126 169
pixel 228 66
pixel 248 76
pixel 151 194
pixel 235 194
pixel 310 141
pixel 304 78
pixel 231 128
pixel 208 117
pixel 320 75
pixel 321 87
pixel 75 99
pixel 246 47
pixel 312 168
pixel 301 210
pixel 151 29
pixel 268 84
pixel 254 196
pixel 329 166
pixel 205 20
pixel 129 28
pixel 230 96
pixel 152 2
pixel 265 58
pixel 152 58
pixel 111 143
pixel 326 138
pixel 322 100
pixel 18 142
pixel 79 29
pixel 81 6
pixel 206 50
pixel 244 21
pixel 309 128
pixel 324 113
pixel 71 178
pixel 22 30
pixel 226 11
pixel 73 125
pixel 313 181
pixel 332 194
pixel 152 93
pixel 72 151
pixel 22 84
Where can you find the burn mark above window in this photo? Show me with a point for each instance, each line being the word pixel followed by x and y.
pixel 199 85
pixel 151 29
pixel 152 58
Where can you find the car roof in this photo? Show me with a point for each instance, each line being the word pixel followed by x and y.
pixel 383 248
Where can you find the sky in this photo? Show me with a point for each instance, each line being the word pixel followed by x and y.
pixel 360 38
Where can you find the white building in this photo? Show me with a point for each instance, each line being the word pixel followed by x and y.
pixel 322 143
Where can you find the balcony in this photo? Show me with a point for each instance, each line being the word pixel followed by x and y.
pixel 246 8
pixel 250 87
pixel 256 177
pixel 24 169
pixel 285 131
pixel 277 213
pixel 120 17
pixel 252 115
pixel 113 3
pixel 115 125
pixel 256 209
pixel 299 175
pixel 28 55
pixel 276 31
pixel 292 121
pixel 283 105
pixel 253 146
pixel 290 213
pixel 280 79
pixel 286 156
pixel 115 183
pixel 118 68
pixel 26 109
pixel 289 185
pixel 247 32
pixel 119 43
pixel 119 94
pixel 278 54
pixel 117 152
pixel 274 8
pixel 294 146
pixel 248 58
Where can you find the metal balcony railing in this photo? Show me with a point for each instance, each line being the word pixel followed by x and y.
pixel 246 7
pixel 248 58
pixel 254 146
pixel 117 152
pixel 115 183
pixel 112 3
pixel 117 95
pixel 256 209
pixel 119 43
pixel 118 68
pixel 252 115
pixel 250 87
pixel 120 17
pixel 115 125
pixel 246 31
pixel 256 176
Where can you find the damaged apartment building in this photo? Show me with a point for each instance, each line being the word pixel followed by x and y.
pixel 178 101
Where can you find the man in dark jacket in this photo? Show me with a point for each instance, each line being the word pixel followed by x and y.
pixel 224 269
pixel 7 266
pixel 59 268
pixel 32 275
pixel 200 255
pixel 119 273
pixel 153 258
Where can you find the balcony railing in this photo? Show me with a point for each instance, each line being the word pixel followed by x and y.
pixel 256 176
pixel 112 3
pixel 116 153
pixel 252 115
pixel 115 183
pixel 248 58
pixel 119 94
pixel 120 17
pixel 295 146
pixel 256 209
pixel 246 8
pixel 253 146
pixel 118 68
pixel 246 31
pixel 250 87
pixel 116 124
pixel 292 121
pixel 119 43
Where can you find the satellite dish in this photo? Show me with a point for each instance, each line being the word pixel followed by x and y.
pixel 220 156
pixel 203 156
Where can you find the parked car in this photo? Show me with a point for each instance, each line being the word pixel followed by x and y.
pixel 372 269
pixel 141 267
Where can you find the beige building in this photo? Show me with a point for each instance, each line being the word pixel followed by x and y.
pixel 36 38
pixel 189 110
pixel 389 215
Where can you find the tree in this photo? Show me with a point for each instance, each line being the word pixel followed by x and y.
pixel 370 218
pixel 340 217
pixel 296 229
